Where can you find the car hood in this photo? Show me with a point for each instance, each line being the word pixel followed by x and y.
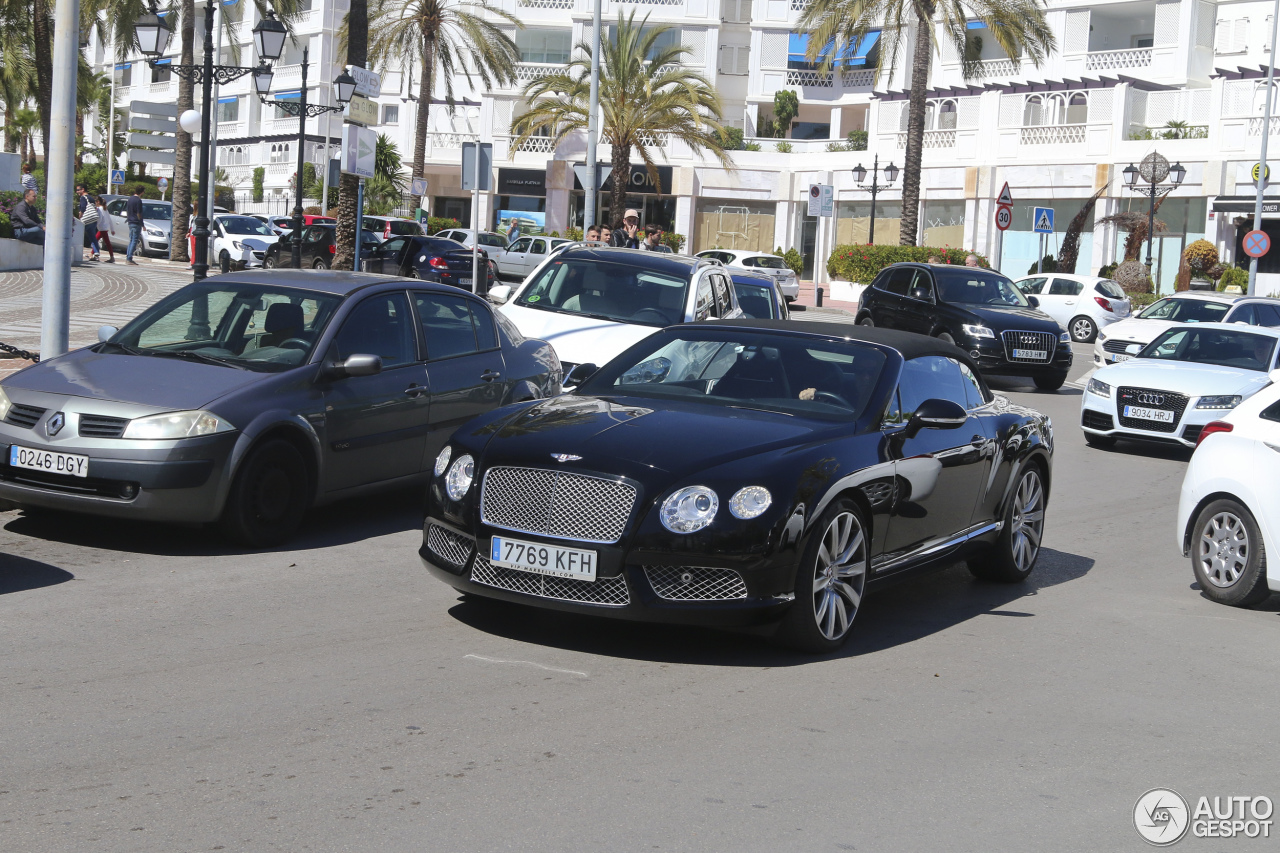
pixel 577 339
pixel 1193 380
pixel 165 384
pixel 635 437
pixel 159 224
pixel 1012 317
pixel 1138 331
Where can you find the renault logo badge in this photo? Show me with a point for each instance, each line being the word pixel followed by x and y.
pixel 55 424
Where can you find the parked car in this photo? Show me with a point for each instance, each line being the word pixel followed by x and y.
pixel 1255 311
pixel 241 241
pixel 760 263
pixel 594 302
pixel 743 473
pixel 391 226
pixel 246 398
pixel 282 225
pixel 157 224
pixel 525 253
pixel 428 259
pixel 1176 384
pixel 1112 345
pixel 979 310
pixel 760 297
pixel 1228 517
pixel 493 244
pixel 1082 304
pixel 319 245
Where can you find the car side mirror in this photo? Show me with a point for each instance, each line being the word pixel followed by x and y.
pixel 579 374
pixel 358 364
pixel 921 293
pixel 499 294
pixel 937 414
pixel 1035 303
pixel 105 333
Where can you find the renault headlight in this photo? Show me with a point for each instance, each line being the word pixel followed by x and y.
pixel 459 479
pixel 978 331
pixel 5 405
pixel 750 502
pixel 1226 401
pixel 689 510
pixel 442 461
pixel 176 425
pixel 1101 389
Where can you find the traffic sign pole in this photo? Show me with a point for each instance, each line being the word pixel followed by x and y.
pixel 1262 159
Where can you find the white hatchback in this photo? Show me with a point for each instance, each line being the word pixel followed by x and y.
pixel 1228 517
pixel 1082 304
pixel 759 263
pixel 1121 340
pixel 1184 379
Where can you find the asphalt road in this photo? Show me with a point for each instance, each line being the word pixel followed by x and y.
pixel 161 693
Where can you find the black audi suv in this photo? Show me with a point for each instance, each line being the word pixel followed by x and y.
pixel 979 310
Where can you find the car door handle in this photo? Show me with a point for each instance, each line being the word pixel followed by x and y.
pixel 979 441
pixel 415 390
pixel 490 375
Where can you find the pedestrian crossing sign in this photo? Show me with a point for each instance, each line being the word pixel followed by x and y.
pixel 117 176
pixel 1043 220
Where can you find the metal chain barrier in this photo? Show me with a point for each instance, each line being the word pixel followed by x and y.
pixel 20 353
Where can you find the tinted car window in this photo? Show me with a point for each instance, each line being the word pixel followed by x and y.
pixel 539 247
pixel 446 325
pixel 899 280
pixel 1186 311
pixel 380 325
pixel 1065 287
pixel 766 261
pixel 972 387
pixel 492 240
pixel 724 302
pixel 486 336
pixel 755 301
pixel 704 305
pixel 116 208
pixel 976 287
pixel 405 228
pixel 625 292
pixel 1032 286
pixel 521 245
pixel 394 245
pixel 1272 412
pixel 1214 346
pixel 1268 315
pixel 1109 288
pixel 931 377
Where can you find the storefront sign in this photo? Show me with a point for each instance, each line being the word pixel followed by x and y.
pixel 640 181
pixel 522 182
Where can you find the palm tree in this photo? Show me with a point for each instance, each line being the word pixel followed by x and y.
pixel 25 123
pixel 448 38
pixel 648 99
pixel 1018 26
pixel 356 38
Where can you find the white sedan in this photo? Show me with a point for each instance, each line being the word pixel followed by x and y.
pixel 1228 517
pixel 1189 376
pixel 1117 342
pixel 758 263
pixel 1082 304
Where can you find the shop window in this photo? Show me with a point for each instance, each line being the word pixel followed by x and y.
pixel 734 225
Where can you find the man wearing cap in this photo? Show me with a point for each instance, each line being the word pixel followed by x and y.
pixel 626 234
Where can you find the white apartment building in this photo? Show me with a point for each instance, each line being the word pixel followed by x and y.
pixel 1121 73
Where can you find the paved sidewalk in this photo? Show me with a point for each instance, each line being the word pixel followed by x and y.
pixel 110 294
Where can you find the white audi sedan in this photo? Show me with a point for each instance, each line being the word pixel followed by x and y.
pixel 758 263
pixel 1082 304
pixel 1117 342
pixel 1189 376
pixel 1228 517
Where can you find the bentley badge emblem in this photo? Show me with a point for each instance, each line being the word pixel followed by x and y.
pixel 55 424
pixel 565 457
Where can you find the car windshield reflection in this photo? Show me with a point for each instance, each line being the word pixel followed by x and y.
pixel 977 287
pixel 244 225
pixel 1185 311
pixel 608 291
pixel 1214 346
pixel 249 326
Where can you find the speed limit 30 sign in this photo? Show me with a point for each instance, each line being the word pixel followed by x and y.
pixel 1004 216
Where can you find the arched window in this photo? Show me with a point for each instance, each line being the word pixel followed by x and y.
pixel 1077 109
pixel 930 113
pixel 947 115
pixel 1033 112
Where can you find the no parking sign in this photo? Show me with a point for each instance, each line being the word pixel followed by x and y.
pixel 1256 244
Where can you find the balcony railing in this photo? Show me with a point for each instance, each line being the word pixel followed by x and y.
pixel 527 72
pixel 286 76
pixel 815 79
pixel 547 4
pixel 537 145
pixel 232 129
pixel 161 88
pixel 932 139
pixel 451 140
pixel 1255 127
pixel 854 79
pixel 1062 134
pixel 1102 60
pixel 283 168
pixel 999 68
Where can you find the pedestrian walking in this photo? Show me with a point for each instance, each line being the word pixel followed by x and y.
pixel 104 228
pixel 26 220
pixel 89 219
pixel 82 204
pixel 28 179
pixel 133 218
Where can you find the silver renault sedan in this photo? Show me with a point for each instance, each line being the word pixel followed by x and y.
pixel 247 398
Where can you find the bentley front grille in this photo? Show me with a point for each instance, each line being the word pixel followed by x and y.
pixel 449 546
pixel 607 592
pixel 557 503
pixel 1044 342
pixel 690 583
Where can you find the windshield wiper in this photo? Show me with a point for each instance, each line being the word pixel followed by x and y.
pixel 197 356
pixel 125 348
pixel 766 411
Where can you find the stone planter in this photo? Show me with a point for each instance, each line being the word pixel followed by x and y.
pixel 19 255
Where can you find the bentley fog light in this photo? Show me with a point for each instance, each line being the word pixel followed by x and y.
pixel 442 461
pixel 1226 401
pixel 977 331
pixel 459 479
pixel 176 425
pixel 689 510
pixel 750 502
pixel 1102 389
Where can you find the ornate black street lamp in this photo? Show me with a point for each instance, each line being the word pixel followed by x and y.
pixel 860 175
pixel 1153 170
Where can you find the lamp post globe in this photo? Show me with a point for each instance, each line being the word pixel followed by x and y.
pixel 190 121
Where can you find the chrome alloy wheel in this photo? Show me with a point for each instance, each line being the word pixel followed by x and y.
pixel 1027 523
pixel 840 576
pixel 1082 329
pixel 1224 549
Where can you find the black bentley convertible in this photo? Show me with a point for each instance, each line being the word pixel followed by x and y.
pixel 741 473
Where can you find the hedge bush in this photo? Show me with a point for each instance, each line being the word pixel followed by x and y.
pixel 863 262
pixel 1236 276
pixel 673 241
pixel 441 223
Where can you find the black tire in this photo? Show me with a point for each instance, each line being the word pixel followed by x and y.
pixel 810 625
pixel 867 321
pixel 269 262
pixel 1083 330
pixel 1050 381
pixel 224 261
pixel 1228 556
pixel 269 496
pixel 1103 442
pixel 320 264
pixel 1013 555
pixel 945 337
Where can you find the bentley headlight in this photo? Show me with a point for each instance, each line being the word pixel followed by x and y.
pixel 750 502
pixel 689 510
pixel 1226 401
pixel 1102 389
pixel 653 370
pixel 974 331
pixel 176 425
pixel 442 461
pixel 5 405
pixel 459 479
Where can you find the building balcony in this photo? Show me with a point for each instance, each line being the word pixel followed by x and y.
pixel 1105 60
pixel 232 129
pixel 566 5
pixel 286 77
pixel 813 85
pixel 932 139
pixel 1062 134
pixel 1255 126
